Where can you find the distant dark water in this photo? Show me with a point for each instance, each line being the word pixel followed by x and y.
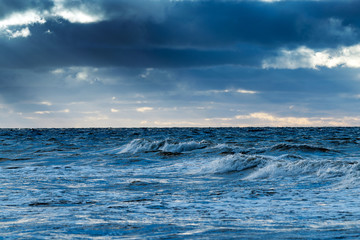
pixel 181 183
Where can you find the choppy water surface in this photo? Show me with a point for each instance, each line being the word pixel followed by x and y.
pixel 226 183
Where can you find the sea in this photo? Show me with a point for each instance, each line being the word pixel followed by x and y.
pixel 180 183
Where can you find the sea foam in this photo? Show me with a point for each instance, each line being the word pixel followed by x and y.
pixel 144 145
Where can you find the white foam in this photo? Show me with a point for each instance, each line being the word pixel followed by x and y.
pixel 340 172
pixel 143 145
pixel 328 170
pixel 230 163
pixel 182 147
pixel 140 145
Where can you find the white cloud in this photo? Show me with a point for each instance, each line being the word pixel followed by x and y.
pixel 58 71
pixel 304 57
pixel 82 76
pixel 22 18
pixel 219 119
pixel 243 91
pixel 144 109
pixel 246 91
pixel 215 91
pixel 78 14
pixel 43 112
pixel 9 25
pixel 25 32
pixel 50 112
pixel 113 110
pixel 79 75
pixel 264 119
pixel 267 119
pixel 47 103
pixel 273 120
pixel 176 124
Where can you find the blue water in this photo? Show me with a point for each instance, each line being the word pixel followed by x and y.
pixel 181 183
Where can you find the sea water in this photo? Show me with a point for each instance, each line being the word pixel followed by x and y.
pixel 180 183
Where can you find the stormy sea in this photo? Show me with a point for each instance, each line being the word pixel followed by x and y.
pixel 180 183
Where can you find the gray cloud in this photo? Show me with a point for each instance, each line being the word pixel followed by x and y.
pixel 102 62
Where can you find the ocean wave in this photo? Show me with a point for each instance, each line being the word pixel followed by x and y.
pixel 338 172
pixel 163 146
pixel 261 167
pixel 183 146
pixel 233 163
pixel 141 145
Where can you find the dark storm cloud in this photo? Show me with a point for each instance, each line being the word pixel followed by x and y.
pixel 227 23
pixel 91 54
pixel 182 34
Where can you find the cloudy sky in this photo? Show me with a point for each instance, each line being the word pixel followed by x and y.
pixel 163 63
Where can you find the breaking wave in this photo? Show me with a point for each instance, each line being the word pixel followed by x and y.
pixel 233 163
pixel 144 145
pixel 260 167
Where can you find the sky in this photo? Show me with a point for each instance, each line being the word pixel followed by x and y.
pixel 189 63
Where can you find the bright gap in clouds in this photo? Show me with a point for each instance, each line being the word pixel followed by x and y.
pixel 144 109
pixel 304 57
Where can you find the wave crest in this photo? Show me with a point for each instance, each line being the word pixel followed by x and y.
pixel 233 163
pixel 144 145
pixel 260 167
pixel 342 173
